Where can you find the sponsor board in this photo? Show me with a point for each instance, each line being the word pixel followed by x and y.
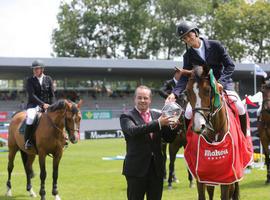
pixel 103 134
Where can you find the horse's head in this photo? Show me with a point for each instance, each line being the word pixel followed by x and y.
pixel 72 120
pixel 266 96
pixel 203 95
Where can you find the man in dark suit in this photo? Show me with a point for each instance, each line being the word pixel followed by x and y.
pixel 39 88
pixel 143 129
pixel 168 86
pixel 211 53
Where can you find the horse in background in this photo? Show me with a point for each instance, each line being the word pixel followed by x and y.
pixel 179 141
pixel 49 139
pixel 210 127
pixel 264 127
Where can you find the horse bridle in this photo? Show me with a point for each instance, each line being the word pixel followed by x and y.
pixel 208 118
pixel 59 129
pixel 263 109
pixel 211 113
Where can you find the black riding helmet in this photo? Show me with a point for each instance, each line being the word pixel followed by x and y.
pixel 37 64
pixel 185 27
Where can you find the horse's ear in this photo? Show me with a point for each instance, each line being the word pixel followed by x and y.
pixel 69 104
pixel 79 103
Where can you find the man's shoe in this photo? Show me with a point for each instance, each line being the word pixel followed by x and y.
pixel 27 144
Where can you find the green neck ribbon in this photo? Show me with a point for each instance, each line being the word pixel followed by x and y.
pixel 214 87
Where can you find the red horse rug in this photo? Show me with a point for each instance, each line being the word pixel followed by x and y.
pixel 219 162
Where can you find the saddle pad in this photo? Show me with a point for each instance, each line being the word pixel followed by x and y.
pixel 220 162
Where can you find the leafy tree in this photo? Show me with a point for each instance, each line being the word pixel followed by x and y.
pixel 168 14
pixel 242 27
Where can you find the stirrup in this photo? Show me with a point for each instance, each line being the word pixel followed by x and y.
pixel 27 144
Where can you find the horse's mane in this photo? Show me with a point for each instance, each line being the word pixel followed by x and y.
pixel 60 104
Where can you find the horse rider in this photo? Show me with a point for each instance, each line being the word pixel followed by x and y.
pixel 168 85
pixel 211 53
pixel 40 92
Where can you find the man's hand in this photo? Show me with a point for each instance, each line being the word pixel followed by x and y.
pixel 164 120
pixel 170 98
pixel 45 106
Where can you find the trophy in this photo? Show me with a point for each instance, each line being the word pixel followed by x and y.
pixel 173 110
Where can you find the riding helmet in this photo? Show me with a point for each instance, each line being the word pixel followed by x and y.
pixel 37 64
pixel 185 27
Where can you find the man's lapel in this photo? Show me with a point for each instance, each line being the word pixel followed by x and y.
pixel 138 118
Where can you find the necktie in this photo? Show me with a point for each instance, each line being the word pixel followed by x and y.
pixel 146 119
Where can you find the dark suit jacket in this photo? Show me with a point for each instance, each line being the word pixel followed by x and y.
pixel 140 148
pixel 167 88
pixel 216 57
pixel 39 94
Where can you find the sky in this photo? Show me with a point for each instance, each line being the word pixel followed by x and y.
pixel 26 27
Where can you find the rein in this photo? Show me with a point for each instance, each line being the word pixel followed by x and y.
pixel 53 124
pixel 56 127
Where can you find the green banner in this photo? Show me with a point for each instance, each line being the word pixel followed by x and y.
pixel 97 114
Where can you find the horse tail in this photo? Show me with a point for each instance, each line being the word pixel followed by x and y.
pixel 236 192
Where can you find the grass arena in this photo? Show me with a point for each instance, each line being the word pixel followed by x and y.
pixel 84 175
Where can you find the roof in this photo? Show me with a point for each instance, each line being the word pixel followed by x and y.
pixel 100 67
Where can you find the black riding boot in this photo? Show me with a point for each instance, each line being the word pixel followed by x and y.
pixel 27 136
pixel 243 123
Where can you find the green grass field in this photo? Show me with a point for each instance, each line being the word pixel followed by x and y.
pixel 83 175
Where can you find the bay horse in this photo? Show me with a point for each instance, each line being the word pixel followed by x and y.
pixel 264 127
pixel 210 126
pixel 49 139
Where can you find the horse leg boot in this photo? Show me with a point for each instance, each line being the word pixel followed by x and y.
pixel 27 136
pixel 243 123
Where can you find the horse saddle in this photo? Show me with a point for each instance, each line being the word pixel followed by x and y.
pixel 35 124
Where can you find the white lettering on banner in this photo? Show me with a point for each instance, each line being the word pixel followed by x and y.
pixel 215 153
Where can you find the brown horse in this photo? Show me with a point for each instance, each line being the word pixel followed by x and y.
pixel 209 121
pixel 264 128
pixel 49 138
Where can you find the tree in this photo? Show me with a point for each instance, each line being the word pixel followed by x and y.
pixel 242 27
pixel 168 14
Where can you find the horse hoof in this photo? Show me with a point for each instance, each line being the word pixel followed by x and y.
pixel 8 193
pixel 57 197
pixel 176 180
pixel 32 193
pixel 170 187
pixel 42 198
pixel 267 182
pixel 191 185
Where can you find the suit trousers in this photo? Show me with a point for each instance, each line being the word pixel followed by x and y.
pixel 151 185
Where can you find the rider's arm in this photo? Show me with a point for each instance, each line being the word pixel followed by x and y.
pixel 181 84
pixel 228 65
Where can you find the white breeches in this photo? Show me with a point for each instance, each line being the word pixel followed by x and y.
pixel 232 96
pixel 30 115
